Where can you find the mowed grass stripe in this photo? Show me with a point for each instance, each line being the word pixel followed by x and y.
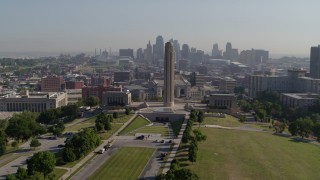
pixel 228 121
pixel 138 122
pixel 153 129
pixel 233 154
pixel 126 163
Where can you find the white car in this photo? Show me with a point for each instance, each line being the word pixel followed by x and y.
pixel 101 151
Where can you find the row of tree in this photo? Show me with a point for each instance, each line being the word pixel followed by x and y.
pixel 195 136
pixel 53 116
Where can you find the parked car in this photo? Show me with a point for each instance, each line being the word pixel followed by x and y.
pixel 101 151
pixel 162 141
pixel 140 137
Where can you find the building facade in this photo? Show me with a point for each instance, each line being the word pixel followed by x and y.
pixel 223 101
pixel 74 84
pixel 126 52
pixel 34 102
pixel 295 82
pixel 294 100
pixel 52 84
pixel 315 62
pixel 116 98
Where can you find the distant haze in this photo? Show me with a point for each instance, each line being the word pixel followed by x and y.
pixel 288 27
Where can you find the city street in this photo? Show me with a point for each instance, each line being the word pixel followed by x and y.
pixel 25 152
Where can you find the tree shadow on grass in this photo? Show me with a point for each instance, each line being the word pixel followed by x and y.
pixel 181 155
pixel 183 150
pixel 299 140
pixel 184 164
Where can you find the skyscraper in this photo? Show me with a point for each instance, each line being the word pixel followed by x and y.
pixel 139 56
pixel 168 98
pixel 315 62
pixel 148 53
pixel 158 49
pixel 215 50
pixel 185 51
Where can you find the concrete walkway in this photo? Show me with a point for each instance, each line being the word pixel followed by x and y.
pixel 85 159
pixel 176 145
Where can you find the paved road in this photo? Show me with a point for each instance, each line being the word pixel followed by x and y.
pixel 25 153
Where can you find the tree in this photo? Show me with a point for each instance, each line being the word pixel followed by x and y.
pixel 316 129
pixel 83 142
pixel 99 126
pixel 43 162
pixel 3 142
pixel 92 101
pixel 68 155
pixel 23 126
pixel 69 111
pixel 115 115
pixel 192 153
pixel 261 113
pixel 35 143
pixel 279 126
pixel 11 177
pixel 58 129
pixel 127 111
pixel 199 136
pixel 80 102
pixel 49 116
pixel 103 122
pixel 185 174
pixel 293 128
pixel 200 117
pixel 107 125
pixel 22 174
pixel 302 127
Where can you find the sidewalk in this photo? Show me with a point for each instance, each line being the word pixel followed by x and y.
pixel 85 159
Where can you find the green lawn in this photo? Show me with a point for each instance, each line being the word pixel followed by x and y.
pixel 126 163
pixel 264 127
pixel 163 130
pixel 123 118
pixel 59 172
pixel 176 126
pixel 108 134
pixel 79 126
pixel 228 121
pixel 233 154
pixel 138 122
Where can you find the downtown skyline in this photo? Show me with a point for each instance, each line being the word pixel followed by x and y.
pixel 286 27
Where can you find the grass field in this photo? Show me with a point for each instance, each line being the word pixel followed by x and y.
pixel 163 130
pixel 138 122
pixel 126 163
pixel 228 121
pixel 123 118
pixel 59 172
pixel 79 126
pixel 108 134
pixel 232 154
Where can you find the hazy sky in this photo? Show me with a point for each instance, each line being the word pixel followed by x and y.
pixel 280 26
